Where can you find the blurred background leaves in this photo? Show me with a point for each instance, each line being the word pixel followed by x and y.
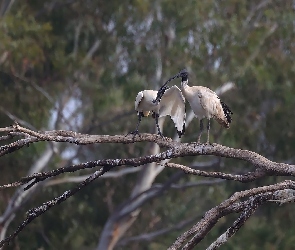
pixel 78 65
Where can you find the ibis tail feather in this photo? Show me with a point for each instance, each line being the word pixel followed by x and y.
pixel 224 119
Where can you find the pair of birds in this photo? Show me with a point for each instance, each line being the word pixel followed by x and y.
pixel 171 101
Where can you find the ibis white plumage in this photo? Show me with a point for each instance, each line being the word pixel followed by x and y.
pixel 204 102
pixel 172 103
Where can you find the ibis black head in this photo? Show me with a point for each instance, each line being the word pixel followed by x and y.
pixel 183 74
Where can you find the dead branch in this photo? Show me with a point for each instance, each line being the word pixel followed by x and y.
pixel 35 212
pixel 199 230
pixel 281 196
pixel 110 163
pixel 176 149
pixel 173 149
pixel 248 177
pixel 250 207
pixel 75 179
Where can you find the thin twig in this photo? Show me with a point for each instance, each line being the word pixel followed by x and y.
pixel 211 217
pixel 111 163
pixel 251 205
pixel 248 177
pixel 37 211
pixel 111 174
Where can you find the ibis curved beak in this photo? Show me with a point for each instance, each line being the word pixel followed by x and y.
pixel 162 90
pixel 172 78
pixel 176 76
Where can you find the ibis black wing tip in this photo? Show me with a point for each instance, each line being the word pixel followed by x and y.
pixel 181 133
pixel 227 112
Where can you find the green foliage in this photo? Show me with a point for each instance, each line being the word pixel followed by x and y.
pixel 220 41
pixel 25 39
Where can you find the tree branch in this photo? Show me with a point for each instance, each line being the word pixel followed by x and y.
pixel 37 211
pixel 174 149
pixel 228 206
pixel 177 149
pixel 281 196
pixel 248 177
pixel 111 174
pixel 250 207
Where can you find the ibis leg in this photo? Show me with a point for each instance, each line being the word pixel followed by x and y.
pixel 157 124
pixel 208 131
pixel 136 132
pixel 201 131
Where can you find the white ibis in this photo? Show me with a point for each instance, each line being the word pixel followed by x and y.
pixel 172 103
pixel 204 102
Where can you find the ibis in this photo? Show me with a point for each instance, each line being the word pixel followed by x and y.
pixel 204 102
pixel 172 103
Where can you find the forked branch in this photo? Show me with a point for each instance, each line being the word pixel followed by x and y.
pixel 255 197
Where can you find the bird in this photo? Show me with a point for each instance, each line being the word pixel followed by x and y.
pixel 204 102
pixel 172 103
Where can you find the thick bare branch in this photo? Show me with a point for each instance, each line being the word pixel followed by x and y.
pixel 81 139
pixel 176 149
pixel 281 196
pixel 199 230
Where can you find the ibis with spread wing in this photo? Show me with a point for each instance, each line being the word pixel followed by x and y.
pixel 204 102
pixel 172 103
